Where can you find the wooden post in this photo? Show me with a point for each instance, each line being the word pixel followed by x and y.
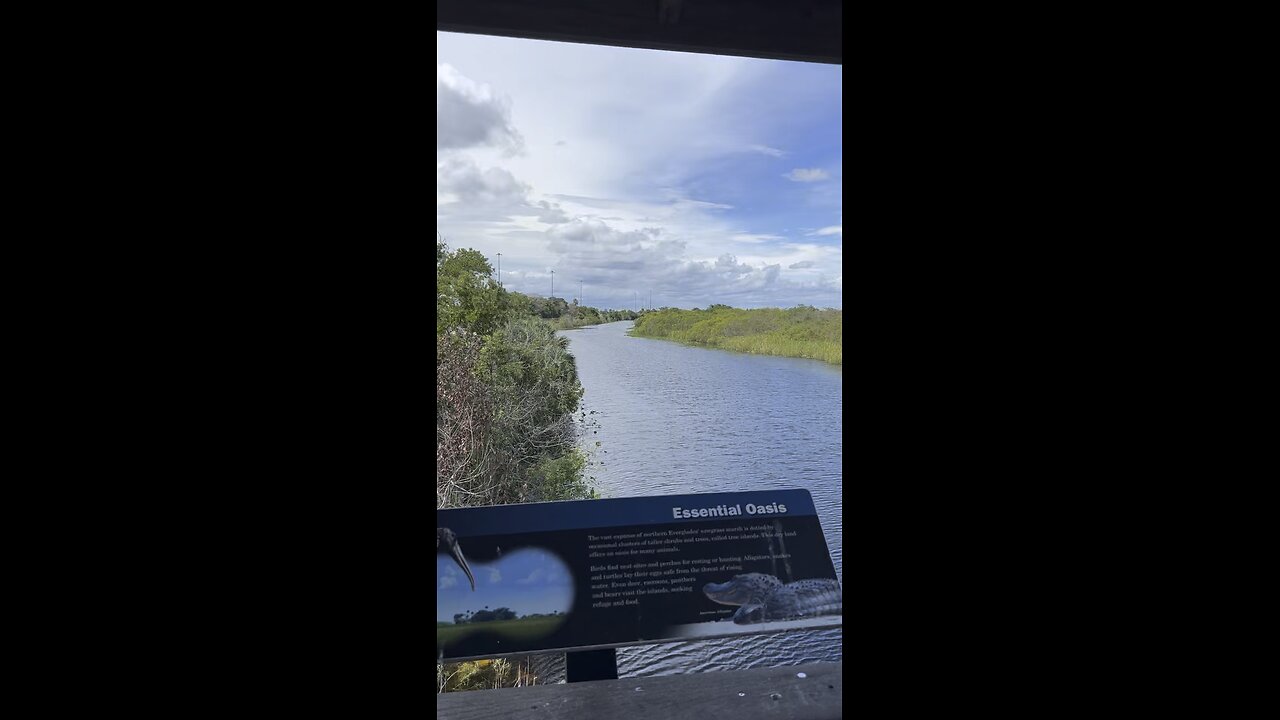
pixel 591 665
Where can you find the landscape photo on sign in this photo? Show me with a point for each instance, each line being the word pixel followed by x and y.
pixel 525 594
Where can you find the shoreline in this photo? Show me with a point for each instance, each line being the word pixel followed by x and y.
pixel 710 346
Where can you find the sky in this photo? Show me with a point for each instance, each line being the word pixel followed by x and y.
pixel 698 178
pixel 527 581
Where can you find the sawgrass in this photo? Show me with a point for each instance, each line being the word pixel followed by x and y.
pixel 800 332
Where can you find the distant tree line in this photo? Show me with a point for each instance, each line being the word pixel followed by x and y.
pixel 502 613
pixel 566 314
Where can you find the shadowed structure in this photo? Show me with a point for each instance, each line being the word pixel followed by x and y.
pixel 806 30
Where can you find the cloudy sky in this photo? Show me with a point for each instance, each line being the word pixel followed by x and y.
pixel 527 581
pixel 702 179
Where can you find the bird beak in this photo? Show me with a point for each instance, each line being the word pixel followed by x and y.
pixel 456 552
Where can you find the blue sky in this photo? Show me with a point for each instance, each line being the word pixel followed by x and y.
pixel 527 581
pixel 701 178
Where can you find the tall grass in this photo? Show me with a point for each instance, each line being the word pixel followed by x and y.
pixel 802 332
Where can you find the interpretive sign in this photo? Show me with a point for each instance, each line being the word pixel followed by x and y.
pixel 590 574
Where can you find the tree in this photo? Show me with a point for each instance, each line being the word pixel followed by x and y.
pixel 506 391
pixel 466 296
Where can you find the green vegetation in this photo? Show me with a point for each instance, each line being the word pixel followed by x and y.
pixel 507 391
pixel 563 315
pixel 803 332
pixel 527 627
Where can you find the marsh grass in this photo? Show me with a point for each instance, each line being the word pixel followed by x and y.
pixel 801 332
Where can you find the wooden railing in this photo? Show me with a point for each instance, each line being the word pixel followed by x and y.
pixel 798 692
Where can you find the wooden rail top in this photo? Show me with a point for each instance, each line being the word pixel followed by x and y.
pixel 776 693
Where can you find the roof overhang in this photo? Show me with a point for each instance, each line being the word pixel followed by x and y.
pixel 805 30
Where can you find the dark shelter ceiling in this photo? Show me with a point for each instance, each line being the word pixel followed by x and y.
pixel 806 30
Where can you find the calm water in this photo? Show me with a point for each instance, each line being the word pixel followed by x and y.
pixel 677 419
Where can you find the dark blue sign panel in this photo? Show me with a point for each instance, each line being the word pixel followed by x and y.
pixel 566 576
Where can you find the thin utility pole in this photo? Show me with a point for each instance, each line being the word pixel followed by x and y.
pixel 579 293
pixel 553 285
pixel 499 268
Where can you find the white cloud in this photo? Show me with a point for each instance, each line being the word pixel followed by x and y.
pixel 551 213
pixel 469 114
pixel 535 576
pixel 682 269
pixel 754 238
pixel 494 575
pixel 625 114
pixel 830 230
pixel 806 175
pixel 462 178
pixel 448 580
pixel 636 173
pixel 687 204
pixel 612 259
pixel 465 192
pixel 802 265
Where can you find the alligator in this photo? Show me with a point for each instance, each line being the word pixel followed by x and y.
pixel 764 598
